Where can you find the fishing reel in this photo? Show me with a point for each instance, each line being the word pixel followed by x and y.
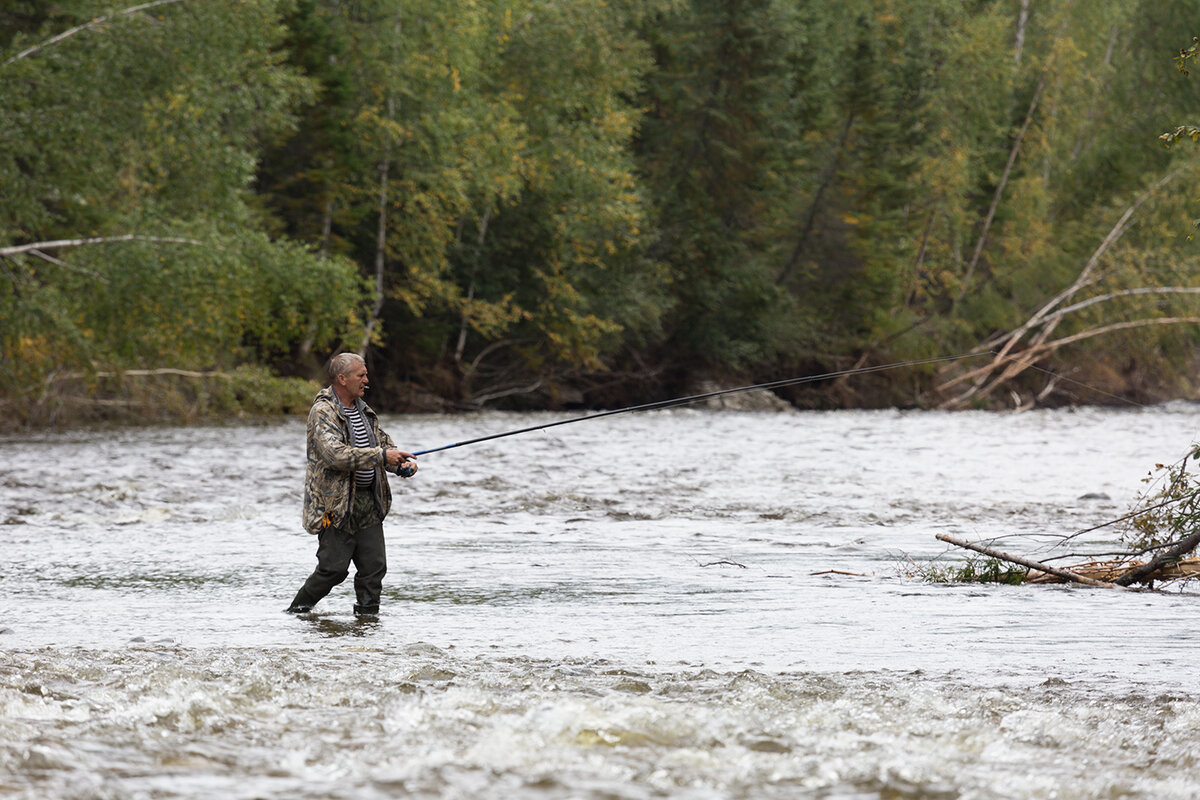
pixel 407 470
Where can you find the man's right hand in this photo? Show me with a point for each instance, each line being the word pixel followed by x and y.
pixel 405 463
pixel 397 457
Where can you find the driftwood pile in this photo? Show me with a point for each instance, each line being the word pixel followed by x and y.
pixel 1169 564
pixel 1112 571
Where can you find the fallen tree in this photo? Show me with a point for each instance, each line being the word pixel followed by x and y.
pixel 1170 562
pixel 1017 350
pixel 1058 572
pixel 1113 572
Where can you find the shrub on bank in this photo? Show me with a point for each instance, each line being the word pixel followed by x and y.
pixel 160 395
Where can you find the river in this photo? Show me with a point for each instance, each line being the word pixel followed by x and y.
pixel 644 606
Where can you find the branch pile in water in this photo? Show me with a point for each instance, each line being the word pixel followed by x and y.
pixel 1168 565
pixel 1113 571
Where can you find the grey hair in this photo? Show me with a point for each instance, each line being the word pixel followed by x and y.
pixel 343 363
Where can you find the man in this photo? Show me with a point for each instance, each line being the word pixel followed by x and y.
pixel 346 494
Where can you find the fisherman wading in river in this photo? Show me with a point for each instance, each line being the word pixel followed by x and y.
pixel 346 494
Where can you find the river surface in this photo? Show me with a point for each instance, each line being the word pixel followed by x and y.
pixel 650 605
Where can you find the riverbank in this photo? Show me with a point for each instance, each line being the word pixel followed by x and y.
pixel 177 396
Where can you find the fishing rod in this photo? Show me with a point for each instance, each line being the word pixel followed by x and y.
pixel 678 401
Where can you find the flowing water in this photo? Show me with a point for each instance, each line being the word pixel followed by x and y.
pixel 650 605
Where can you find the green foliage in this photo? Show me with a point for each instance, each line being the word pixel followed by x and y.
pixel 564 243
pixel 256 391
pixel 1172 503
pixel 522 193
pixel 1187 55
pixel 974 569
pixel 211 303
pixel 715 146
pixel 490 142
pixel 155 177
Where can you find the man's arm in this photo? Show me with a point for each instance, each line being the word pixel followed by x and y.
pixel 328 447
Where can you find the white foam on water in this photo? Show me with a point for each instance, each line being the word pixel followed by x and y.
pixel 203 723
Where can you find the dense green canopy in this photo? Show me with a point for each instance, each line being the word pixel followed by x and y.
pixel 531 203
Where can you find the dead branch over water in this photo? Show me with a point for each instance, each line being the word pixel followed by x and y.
pixel 1009 360
pixel 1168 565
pixel 1065 574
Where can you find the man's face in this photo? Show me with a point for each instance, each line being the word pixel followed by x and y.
pixel 355 381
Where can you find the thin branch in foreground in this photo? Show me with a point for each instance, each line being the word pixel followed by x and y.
pixel 183 373
pixel 58 243
pixel 1131 515
pixel 58 262
pixel 727 562
pixel 97 22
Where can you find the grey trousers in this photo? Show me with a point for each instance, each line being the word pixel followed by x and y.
pixel 358 540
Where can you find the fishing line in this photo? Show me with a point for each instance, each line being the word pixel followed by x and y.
pixel 1089 387
pixel 1133 514
pixel 678 401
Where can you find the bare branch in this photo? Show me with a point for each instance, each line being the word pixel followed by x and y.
pixel 1083 279
pixel 97 22
pixel 183 373
pixel 481 399
pixel 58 262
pixel 1045 317
pixel 1102 298
pixel 58 243
pixel 1016 364
pixel 1025 562
pixel 1085 276
pixel 1002 184
pixel 1118 326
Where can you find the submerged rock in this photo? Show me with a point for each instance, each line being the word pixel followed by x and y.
pixel 751 400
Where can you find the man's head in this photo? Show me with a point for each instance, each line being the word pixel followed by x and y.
pixel 348 374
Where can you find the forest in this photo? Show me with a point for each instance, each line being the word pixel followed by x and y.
pixel 548 204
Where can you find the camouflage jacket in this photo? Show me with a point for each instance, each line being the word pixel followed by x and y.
pixel 332 461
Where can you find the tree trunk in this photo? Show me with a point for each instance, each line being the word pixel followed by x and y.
pixel 1164 559
pixel 464 323
pixel 826 181
pixel 380 244
pixel 1019 39
pixel 990 217
pixel 326 227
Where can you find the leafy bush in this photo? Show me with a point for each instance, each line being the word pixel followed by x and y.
pixel 975 569
pixel 1172 504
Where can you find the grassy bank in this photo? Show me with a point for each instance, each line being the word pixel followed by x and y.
pixel 164 395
